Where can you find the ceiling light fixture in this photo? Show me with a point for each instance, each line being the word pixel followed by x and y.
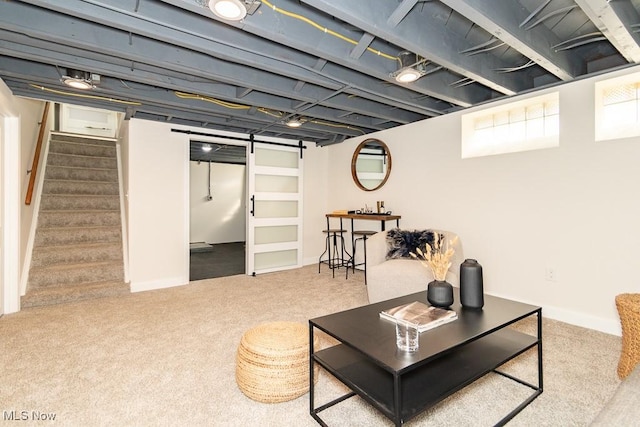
pixel 294 122
pixel 408 75
pixel 206 148
pixel 78 79
pixel 411 67
pixel 233 10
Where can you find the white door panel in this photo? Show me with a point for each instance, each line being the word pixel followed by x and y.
pixel 274 226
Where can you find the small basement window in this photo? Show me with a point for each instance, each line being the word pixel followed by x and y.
pixel 530 124
pixel 617 107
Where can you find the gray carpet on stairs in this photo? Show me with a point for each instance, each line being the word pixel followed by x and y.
pixel 77 251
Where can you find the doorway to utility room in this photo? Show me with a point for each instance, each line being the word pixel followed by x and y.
pixel 217 231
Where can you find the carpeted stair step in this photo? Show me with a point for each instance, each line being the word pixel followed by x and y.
pixel 81 174
pixel 74 235
pixel 79 138
pixel 82 148
pixel 78 218
pixel 60 295
pixel 65 186
pixel 75 254
pixel 73 160
pixel 64 202
pixel 77 251
pixel 75 274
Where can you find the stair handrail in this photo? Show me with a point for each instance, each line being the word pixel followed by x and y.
pixel 36 155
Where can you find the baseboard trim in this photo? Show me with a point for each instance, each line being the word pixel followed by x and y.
pixel 158 284
pixel 608 326
pixel 310 261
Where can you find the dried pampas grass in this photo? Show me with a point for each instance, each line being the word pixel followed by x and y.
pixel 438 258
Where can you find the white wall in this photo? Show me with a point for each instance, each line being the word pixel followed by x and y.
pixel 316 195
pixel 158 199
pixel 223 218
pixel 157 195
pixel 123 144
pixel 573 208
pixel 9 203
pixel 20 129
pixel 123 140
pixel 30 117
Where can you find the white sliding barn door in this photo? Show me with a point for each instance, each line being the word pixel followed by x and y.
pixel 274 217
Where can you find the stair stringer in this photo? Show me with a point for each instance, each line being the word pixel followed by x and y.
pixel 26 265
pixel 123 216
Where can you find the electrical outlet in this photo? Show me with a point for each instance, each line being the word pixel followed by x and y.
pixel 550 274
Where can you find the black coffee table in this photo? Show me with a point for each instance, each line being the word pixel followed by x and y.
pixel 452 356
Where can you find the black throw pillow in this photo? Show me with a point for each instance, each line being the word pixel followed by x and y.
pixel 401 242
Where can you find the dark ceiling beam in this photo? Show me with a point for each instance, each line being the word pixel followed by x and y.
pixel 318 138
pixel 400 12
pixel 126 88
pixel 15 69
pixel 615 21
pixel 501 18
pixel 45 53
pixel 100 58
pixel 177 114
pixel 27 71
pixel 272 25
pixel 20 88
pixel 156 20
pixel 309 133
pixel 361 47
pixel 241 92
pixel 424 34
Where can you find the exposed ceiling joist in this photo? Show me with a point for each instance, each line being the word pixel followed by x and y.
pixel 332 64
pixel 616 20
pixel 422 33
pixel 501 20
pixel 282 25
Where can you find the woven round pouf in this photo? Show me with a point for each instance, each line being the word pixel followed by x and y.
pixel 272 364
pixel 628 306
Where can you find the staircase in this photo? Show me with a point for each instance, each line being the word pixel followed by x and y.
pixel 77 251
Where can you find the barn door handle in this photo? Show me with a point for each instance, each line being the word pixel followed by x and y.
pixel 253 205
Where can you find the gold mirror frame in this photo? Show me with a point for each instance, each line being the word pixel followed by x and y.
pixel 385 150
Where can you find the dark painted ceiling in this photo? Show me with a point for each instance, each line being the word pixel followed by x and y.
pixel 330 62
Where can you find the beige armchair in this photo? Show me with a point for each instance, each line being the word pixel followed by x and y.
pixel 391 278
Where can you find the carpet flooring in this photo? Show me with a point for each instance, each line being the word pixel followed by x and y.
pixel 167 357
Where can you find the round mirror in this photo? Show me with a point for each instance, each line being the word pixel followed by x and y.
pixel 371 164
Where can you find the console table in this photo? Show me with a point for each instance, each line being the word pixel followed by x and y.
pixel 383 218
pixel 401 386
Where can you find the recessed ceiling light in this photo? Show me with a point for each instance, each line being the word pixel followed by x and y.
pixel 232 10
pixel 294 122
pixel 78 79
pixel 410 68
pixel 408 75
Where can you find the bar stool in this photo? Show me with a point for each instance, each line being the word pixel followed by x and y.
pixel 335 253
pixel 363 235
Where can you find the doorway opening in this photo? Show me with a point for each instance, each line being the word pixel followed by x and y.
pixel 218 191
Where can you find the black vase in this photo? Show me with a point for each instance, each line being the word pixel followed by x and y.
pixel 440 293
pixel 471 288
